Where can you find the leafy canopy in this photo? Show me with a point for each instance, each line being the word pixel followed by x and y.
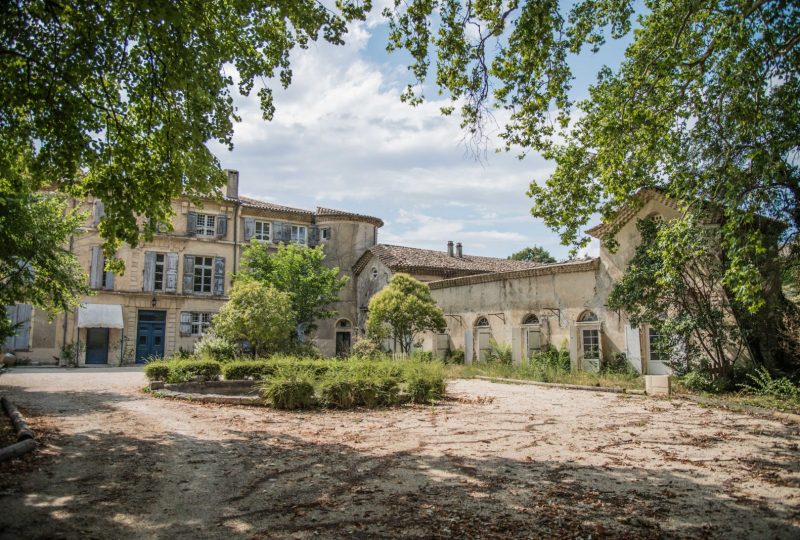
pixel 402 310
pixel 256 313
pixel 118 99
pixel 301 273
pixel 705 105
pixel 533 254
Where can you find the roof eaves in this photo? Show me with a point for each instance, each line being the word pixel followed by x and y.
pixel 542 270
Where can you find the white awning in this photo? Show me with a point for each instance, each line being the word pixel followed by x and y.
pixel 100 316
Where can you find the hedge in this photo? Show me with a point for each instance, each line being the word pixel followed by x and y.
pixel 176 371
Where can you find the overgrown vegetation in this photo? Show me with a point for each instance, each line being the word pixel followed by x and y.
pixel 289 382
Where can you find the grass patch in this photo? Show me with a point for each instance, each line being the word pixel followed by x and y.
pixel 545 373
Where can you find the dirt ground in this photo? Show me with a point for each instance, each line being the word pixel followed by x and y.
pixel 493 461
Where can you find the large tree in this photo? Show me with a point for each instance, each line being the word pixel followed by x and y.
pixel 403 310
pixel 118 99
pixel 533 254
pixel 705 105
pixel 301 273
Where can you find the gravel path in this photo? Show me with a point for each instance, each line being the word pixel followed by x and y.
pixel 493 461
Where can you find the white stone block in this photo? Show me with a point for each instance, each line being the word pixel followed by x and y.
pixel 657 385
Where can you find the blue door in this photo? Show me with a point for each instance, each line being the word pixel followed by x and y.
pixel 97 345
pixel 150 335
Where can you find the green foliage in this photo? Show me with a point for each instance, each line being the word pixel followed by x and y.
pixel 256 313
pixel 36 266
pixel 366 348
pixel 551 358
pixel 454 356
pixel 422 356
pixel 424 381
pixel 70 353
pixel 299 272
pixel 704 107
pixel 178 370
pixel 499 353
pixel 533 254
pixel 402 310
pixel 762 383
pixel 214 347
pixel 132 93
pixel 256 370
pixel 698 381
pixel 289 388
pixel 618 363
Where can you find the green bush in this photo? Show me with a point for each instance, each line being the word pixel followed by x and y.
pixel 290 388
pixel 764 384
pixel 499 353
pixel 454 356
pixel 618 364
pixel 422 356
pixel 214 347
pixel 368 349
pixel 156 371
pixel 424 381
pixel 698 381
pixel 192 370
pixel 551 358
pixel 247 369
pixel 337 392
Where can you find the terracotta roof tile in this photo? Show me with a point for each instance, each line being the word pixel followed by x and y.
pixel 255 203
pixel 333 213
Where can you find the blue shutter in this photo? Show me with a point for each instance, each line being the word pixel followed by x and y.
pixel 96 268
pixel 277 232
pixel 219 276
pixel 222 226
pixel 149 281
pixel 191 224
pixel 186 323
pixel 188 274
pixel 249 228
pixel 171 274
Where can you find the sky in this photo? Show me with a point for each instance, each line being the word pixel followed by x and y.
pixel 341 138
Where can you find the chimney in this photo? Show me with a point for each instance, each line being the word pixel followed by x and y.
pixel 233 184
pixel 459 253
pixel 449 248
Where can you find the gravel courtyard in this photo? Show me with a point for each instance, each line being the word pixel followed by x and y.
pixel 493 461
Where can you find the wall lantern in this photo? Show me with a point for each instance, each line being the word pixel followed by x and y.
pixel 153 302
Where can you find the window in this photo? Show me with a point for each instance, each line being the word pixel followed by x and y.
pixel 482 321
pixel 262 231
pixel 343 323
pixel 587 316
pixel 325 233
pixel 591 344
pixel 531 319
pixel 206 225
pixel 374 273
pixel 656 352
pixel 158 273
pixel 203 274
pixel 298 234
pixel 200 323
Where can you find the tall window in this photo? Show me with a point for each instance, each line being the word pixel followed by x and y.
pixel 298 234
pixel 262 231
pixel 158 273
pixel 203 274
pixel 200 323
pixel 206 225
pixel 656 352
pixel 591 344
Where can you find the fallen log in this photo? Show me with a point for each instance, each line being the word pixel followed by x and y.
pixel 22 429
pixel 17 449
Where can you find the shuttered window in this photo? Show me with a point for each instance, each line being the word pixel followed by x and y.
pixel 298 234
pixel 203 274
pixel 200 323
pixel 262 231
pixel 158 272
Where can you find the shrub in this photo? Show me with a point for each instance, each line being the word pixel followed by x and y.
pixel 499 353
pixel 290 388
pixel 549 357
pixel 618 364
pixel 214 347
pixel 255 370
pixel 156 371
pixel 454 356
pixel 192 370
pixel 698 381
pixel 764 384
pixel 337 392
pixel 368 349
pixel 424 381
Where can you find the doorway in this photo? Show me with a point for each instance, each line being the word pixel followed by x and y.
pixel 97 345
pixel 150 335
pixel 342 343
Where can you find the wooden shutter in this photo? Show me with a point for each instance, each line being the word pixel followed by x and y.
pixel 109 286
pixel 191 224
pixel 96 268
pixel 249 228
pixel 149 283
pixel 11 315
pixel 219 276
pixel 468 347
pixel 313 236
pixel 24 318
pixel 188 274
pixel 186 323
pixel 277 231
pixel 287 234
pixel 171 274
pixel 222 226
pixel 99 211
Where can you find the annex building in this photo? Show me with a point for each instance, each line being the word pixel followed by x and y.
pixel 174 285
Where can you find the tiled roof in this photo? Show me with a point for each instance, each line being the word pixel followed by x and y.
pixel 580 265
pixel 255 203
pixel 341 214
pixel 437 263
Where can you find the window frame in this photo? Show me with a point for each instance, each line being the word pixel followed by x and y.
pixel 298 228
pixel 198 325
pixel 208 226
pixel 200 267
pixel 260 235
pixel 163 264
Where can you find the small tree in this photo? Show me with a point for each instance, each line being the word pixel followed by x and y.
pixel 258 314
pixel 301 273
pixel 403 310
pixel 533 254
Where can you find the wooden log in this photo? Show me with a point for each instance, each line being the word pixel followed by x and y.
pixel 17 449
pixel 22 429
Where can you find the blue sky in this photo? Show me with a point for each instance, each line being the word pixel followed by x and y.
pixel 341 138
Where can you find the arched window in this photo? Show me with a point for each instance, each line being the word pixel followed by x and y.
pixel 482 321
pixel 343 323
pixel 587 316
pixel 530 319
pixel 374 272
